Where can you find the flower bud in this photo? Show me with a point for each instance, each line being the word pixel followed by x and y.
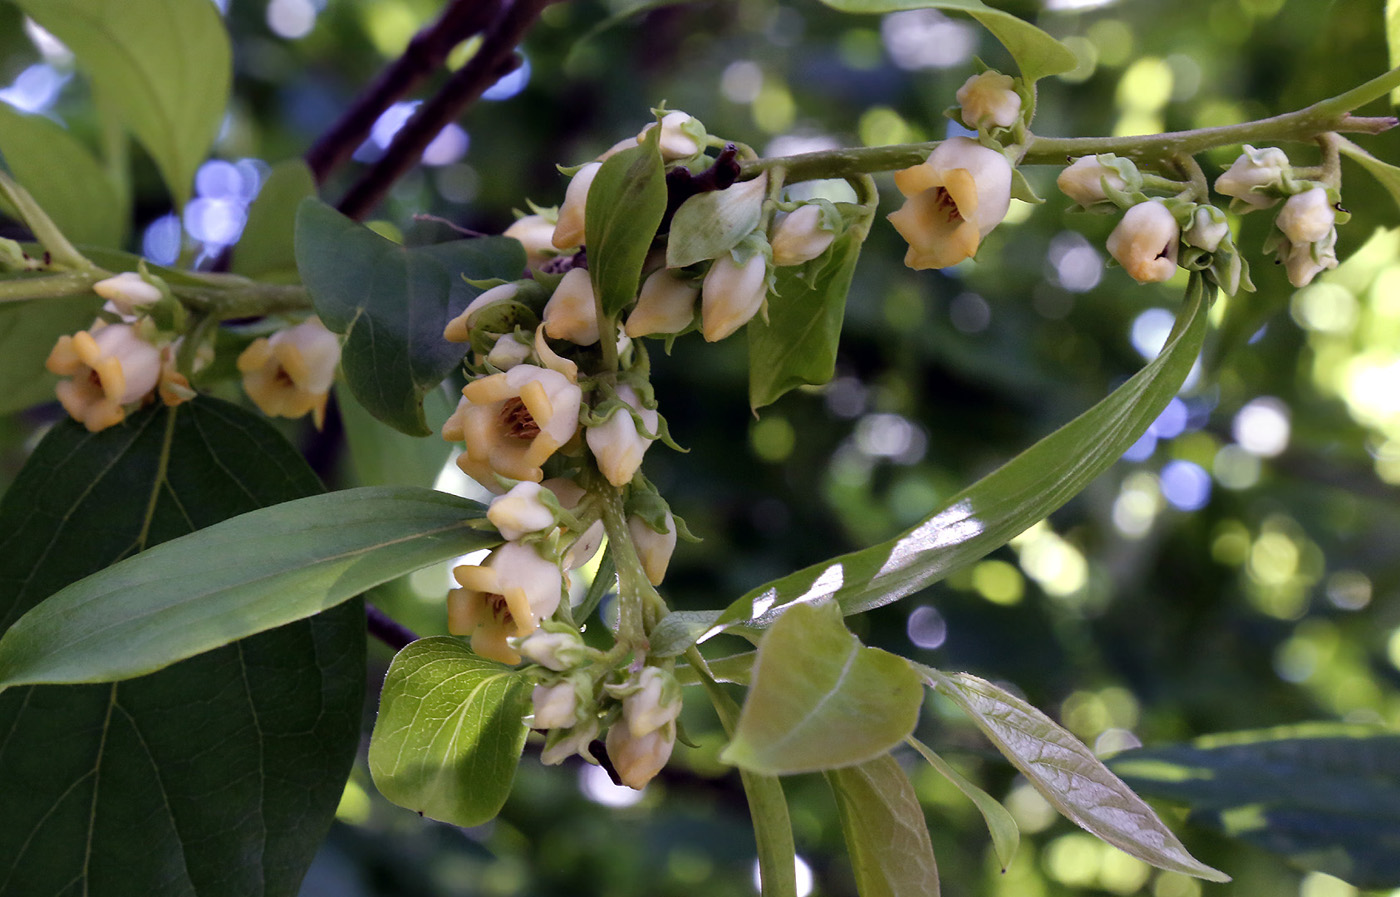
pixel 952 201
pixel 653 548
pixel 128 292
pixel 1084 180
pixel 552 650
pixel 655 701
pixel 290 373
pixel 561 744
pixel 666 305
pixel 536 234
pixel 555 706
pixel 731 294
pixel 1307 217
pixel 459 329
pixel 989 100
pixel 520 511
pixel 1253 174
pixel 615 442
pixel 572 313
pixel 675 143
pixel 108 368
pixel 569 231
pixel 507 353
pixel 1146 242
pixel 638 759
pixel 1304 261
pixel 1208 228
pixel 799 236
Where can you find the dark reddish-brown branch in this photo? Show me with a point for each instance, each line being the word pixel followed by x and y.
pixel 494 60
pixel 387 629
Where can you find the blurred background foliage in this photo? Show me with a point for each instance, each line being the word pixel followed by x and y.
pixel 1238 569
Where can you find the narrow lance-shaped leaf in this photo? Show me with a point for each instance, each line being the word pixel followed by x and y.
pixel 884 828
pixel 1006 834
pixel 1324 796
pixel 987 514
pixel 234 579
pixel 1068 775
pixel 449 733
pixel 626 202
pixel 820 699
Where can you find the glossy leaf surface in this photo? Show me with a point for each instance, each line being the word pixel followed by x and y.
pixel 886 835
pixel 449 733
pixel 625 204
pixel 218 776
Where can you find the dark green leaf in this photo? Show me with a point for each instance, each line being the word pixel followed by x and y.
pixel 820 699
pixel 163 65
pixel 234 579
pixel 216 777
pixel 1069 776
pixel 886 835
pixel 28 331
pixel 625 204
pixel 1324 796
pixel 1036 53
pixel 63 176
pixel 798 343
pixel 267 248
pixel 392 303
pixel 1006 834
pixel 449 733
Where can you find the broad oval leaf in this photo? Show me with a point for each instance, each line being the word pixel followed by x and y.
pixel 626 203
pixel 1324 796
pixel 1036 53
pixel 392 302
pixel 169 84
pixel 820 699
pixel 1001 825
pixel 63 176
pixel 885 831
pixel 234 579
pixel 218 776
pixel 992 511
pixel 267 248
pixel 450 732
pixel 28 331
pixel 1069 776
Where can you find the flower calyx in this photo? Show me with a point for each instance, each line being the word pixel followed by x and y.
pixel 1102 183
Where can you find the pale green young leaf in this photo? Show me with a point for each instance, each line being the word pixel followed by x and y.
pixel 266 250
pixel 626 202
pixel 1006 834
pixel 885 831
pixel 1069 776
pixel 449 733
pixel 709 224
pixel 63 176
pixel 1388 175
pixel 1392 39
pixel 28 331
pixel 382 456
pixel 164 65
pixel 234 579
pixel 820 699
pixel 1036 53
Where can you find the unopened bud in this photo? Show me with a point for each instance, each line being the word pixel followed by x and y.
pixel 799 236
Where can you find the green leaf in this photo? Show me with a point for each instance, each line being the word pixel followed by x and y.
pixel 797 345
pixel 257 571
pixel 885 831
pixel 63 176
pixel 28 331
pixel 449 733
pixel 626 202
pixel 164 65
pixel 1392 39
pixel 1006 834
pixel 218 776
pixel 820 699
pixel 392 303
pixel 1325 796
pixel 709 224
pixel 267 248
pixel 992 511
pixel 382 456
pixel 1069 776
pixel 1387 174
pixel 1036 53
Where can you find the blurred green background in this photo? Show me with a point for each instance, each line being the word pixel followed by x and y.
pixel 1238 569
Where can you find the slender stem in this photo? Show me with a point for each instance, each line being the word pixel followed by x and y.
pixel 47 287
pixel 1361 95
pixel 631 579
pixel 388 630
pixel 248 300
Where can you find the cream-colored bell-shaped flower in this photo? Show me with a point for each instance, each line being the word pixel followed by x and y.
pixel 505 596
pixel 1252 175
pixel 569 230
pixel 291 372
pixel 952 201
pixel 128 293
pixel 109 367
pixel 638 759
pixel 520 511
pixel 674 142
pixel 653 701
pixel 653 549
pixel 1083 181
pixel 989 100
pixel 799 236
pixel 616 444
pixel 731 294
pixel 666 305
pixel 1304 261
pixel 571 313
pixel 1307 217
pixel 1146 242
pixel 536 234
pixel 513 422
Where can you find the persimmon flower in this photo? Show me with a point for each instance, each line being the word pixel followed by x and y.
pixel 638 759
pixel 459 329
pixel 290 372
pixel 555 706
pixel 1084 181
pixel 1307 223
pixel 675 143
pixel 513 422
pixel 568 232
pixel 653 549
pixel 572 313
pixel 505 597
pixel 666 305
pixel 615 442
pixel 732 293
pixel 557 651
pixel 536 234
pixel 109 368
pixel 128 293
pixel 952 201
pixel 1146 242
pixel 989 100
pixel 520 511
pixel 653 700
pixel 799 236
pixel 1254 177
